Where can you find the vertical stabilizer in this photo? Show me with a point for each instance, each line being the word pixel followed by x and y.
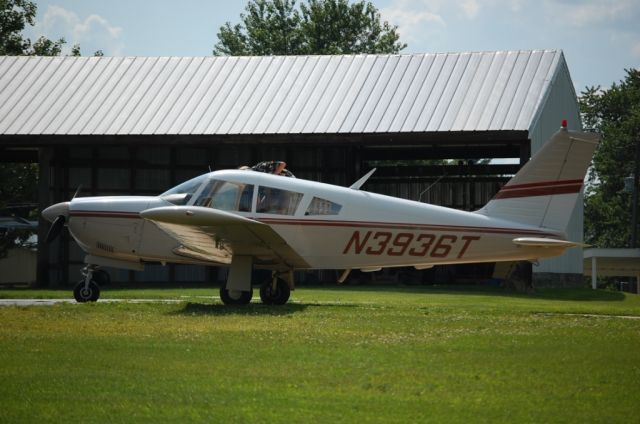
pixel 544 192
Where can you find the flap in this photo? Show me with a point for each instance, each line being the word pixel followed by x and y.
pixel 215 235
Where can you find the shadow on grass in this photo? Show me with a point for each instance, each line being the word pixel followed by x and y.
pixel 251 309
pixel 560 294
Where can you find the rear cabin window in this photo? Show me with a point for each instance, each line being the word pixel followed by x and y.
pixel 277 201
pixel 320 206
pixel 226 196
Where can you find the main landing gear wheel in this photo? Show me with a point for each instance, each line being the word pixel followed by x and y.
pixel 235 297
pixel 278 295
pixel 83 294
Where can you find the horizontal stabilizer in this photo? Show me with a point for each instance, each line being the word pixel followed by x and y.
pixel 546 242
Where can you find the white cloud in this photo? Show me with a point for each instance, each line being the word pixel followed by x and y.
pixel 92 33
pixel 414 19
pixel 583 14
pixel 635 49
pixel 470 8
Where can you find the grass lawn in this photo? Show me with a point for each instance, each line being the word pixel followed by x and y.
pixel 332 355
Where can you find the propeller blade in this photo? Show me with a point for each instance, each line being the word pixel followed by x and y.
pixel 55 228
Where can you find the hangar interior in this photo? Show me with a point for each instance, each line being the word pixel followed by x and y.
pixel 116 126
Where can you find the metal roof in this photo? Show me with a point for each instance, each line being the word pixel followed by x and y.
pixel 413 93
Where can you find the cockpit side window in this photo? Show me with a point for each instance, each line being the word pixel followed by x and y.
pixel 319 206
pixel 226 196
pixel 277 201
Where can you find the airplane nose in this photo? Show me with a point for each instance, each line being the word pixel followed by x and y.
pixel 54 211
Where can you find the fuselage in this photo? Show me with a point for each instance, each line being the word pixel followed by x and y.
pixel 330 227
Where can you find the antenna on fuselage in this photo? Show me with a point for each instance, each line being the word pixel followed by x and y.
pixel 429 188
pixel 361 181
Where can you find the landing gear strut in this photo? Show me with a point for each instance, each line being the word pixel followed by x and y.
pixel 275 292
pixel 237 290
pixel 87 290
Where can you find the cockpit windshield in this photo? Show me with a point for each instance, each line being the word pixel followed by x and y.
pixel 180 194
pixel 226 196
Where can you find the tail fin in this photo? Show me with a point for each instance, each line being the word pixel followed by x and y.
pixel 543 193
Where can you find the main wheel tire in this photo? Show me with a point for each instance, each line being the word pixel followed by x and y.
pixel 235 298
pixel 90 294
pixel 278 296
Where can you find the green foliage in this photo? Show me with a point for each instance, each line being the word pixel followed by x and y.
pixel 615 113
pixel 278 27
pixel 339 355
pixel 45 47
pixel 14 15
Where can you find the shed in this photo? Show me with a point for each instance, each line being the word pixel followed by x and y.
pixel 138 125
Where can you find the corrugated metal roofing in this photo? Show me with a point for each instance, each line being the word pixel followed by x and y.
pixel 274 94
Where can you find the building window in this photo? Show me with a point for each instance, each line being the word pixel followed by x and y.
pixel 114 178
pixel 153 180
pixel 154 155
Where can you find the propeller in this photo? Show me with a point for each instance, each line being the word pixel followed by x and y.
pixel 55 229
pixel 58 216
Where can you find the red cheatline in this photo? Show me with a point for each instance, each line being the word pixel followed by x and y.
pixel 546 188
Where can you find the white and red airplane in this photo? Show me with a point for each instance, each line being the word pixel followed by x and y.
pixel 244 219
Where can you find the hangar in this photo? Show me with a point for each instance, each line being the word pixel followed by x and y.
pixel 138 125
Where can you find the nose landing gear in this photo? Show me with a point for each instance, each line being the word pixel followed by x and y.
pixel 87 290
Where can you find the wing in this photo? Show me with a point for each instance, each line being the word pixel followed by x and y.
pixel 214 235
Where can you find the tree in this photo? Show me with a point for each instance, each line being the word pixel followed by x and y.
pixel 615 113
pixel 14 15
pixel 273 27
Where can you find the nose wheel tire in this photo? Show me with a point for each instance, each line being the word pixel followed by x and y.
pixel 275 296
pixel 84 294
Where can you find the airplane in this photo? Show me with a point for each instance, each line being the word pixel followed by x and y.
pixel 243 219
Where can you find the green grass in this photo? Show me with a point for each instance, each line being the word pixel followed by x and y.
pixel 332 355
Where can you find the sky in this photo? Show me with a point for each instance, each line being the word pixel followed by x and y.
pixel 600 38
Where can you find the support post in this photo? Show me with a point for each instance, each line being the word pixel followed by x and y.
pixel 44 164
pixel 634 201
pixel 594 273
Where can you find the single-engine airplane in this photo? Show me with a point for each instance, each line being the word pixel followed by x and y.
pixel 244 219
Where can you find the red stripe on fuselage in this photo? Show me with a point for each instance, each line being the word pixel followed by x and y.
pixel 545 188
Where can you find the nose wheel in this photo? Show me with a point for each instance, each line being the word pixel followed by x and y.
pixel 86 293
pixel 87 290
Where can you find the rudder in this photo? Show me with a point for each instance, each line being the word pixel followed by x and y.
pixel 543 193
